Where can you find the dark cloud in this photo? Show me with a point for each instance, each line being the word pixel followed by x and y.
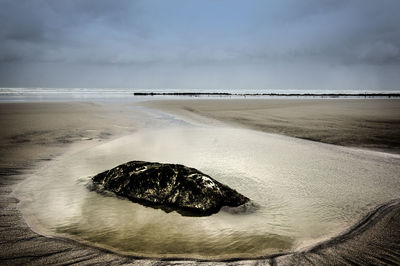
pixel 195 39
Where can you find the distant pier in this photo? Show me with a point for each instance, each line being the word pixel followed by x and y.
pixel 226 94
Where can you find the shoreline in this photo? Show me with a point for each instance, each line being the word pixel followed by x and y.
pixel 28 247
pixel 372 124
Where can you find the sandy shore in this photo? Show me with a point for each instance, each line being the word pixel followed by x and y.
pixel 365 123
pixel 30 135
pixel 33 133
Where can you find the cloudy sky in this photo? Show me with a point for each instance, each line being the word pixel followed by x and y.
pixel 277 44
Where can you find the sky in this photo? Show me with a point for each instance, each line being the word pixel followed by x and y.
pixel 207 44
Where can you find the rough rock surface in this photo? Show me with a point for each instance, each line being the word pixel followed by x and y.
pixel 169 187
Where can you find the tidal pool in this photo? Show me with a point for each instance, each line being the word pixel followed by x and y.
pixel 305 191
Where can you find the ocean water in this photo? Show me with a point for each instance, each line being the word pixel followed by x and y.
pixel 126 94
pixel 302 192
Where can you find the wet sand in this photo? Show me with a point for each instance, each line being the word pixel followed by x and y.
pixel 30 135
pixel 365 123
pixel 34 133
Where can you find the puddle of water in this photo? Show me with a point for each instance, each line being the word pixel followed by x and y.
pixel 304 190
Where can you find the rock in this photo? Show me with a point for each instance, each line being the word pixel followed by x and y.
pixel 169 187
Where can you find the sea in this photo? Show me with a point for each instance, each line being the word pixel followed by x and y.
pixel 128 94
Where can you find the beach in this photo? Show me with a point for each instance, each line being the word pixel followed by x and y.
pixel 363 123
pixel 34 134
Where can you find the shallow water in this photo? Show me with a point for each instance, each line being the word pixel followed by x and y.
pixel 304 191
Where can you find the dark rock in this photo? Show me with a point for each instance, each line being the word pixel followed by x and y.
pixel 169 187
